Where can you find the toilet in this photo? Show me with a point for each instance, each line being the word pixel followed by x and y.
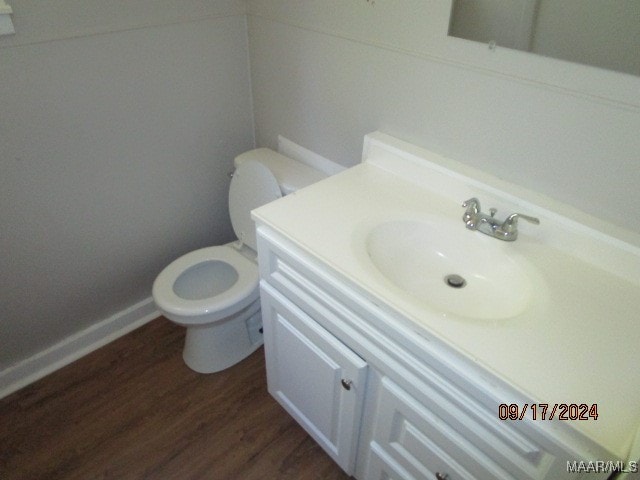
pixel 214 292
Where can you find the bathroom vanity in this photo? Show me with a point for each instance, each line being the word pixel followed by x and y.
pixel 527 371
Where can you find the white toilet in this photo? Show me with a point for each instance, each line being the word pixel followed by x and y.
pixel 214 291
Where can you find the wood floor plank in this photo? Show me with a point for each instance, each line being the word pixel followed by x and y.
pixel 133 410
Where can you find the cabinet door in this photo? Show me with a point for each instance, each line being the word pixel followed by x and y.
pixel 315 377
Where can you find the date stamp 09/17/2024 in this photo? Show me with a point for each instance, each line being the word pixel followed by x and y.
pixel 566 411
pixel 548 411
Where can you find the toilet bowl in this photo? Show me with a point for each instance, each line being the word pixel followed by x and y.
pixel 206 285
pixel 214 291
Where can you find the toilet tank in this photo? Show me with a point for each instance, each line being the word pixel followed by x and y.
pixel 290 174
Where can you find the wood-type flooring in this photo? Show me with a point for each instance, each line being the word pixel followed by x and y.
pixel 134 410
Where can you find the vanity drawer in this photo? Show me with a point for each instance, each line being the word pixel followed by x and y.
pixel 411 440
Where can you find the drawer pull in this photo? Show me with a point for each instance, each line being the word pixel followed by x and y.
pixel 440 476
pixel 346 384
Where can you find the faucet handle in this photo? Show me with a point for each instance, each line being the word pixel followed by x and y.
pixel 472 205
pixel 471 214
pixel 511 223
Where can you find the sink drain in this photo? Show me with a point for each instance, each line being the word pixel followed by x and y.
pixel 455 281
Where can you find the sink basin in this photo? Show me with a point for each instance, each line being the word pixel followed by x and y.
pixel 450 268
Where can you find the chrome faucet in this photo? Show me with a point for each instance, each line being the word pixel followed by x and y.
pixel 507 230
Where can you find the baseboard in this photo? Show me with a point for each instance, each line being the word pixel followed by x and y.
pixel 76 346
pixel 295 151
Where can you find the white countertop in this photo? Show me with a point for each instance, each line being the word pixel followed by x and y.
pixel 579 342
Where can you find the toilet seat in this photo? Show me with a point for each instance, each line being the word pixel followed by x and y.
pixel 252 186
pixel 201 310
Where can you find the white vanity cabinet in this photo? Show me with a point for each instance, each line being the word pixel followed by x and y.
pixel 385 400
pixel 315 377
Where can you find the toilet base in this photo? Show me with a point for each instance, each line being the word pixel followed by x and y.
pixel 214 347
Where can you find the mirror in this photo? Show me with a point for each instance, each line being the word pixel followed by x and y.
pixel 601 33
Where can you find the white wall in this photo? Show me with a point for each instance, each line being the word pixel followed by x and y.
pixel 324 73
pixel 118 124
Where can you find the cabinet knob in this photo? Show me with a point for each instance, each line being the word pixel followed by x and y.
pixel 441 476
pixel 346 384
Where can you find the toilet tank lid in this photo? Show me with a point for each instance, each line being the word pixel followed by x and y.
pixel 290 174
